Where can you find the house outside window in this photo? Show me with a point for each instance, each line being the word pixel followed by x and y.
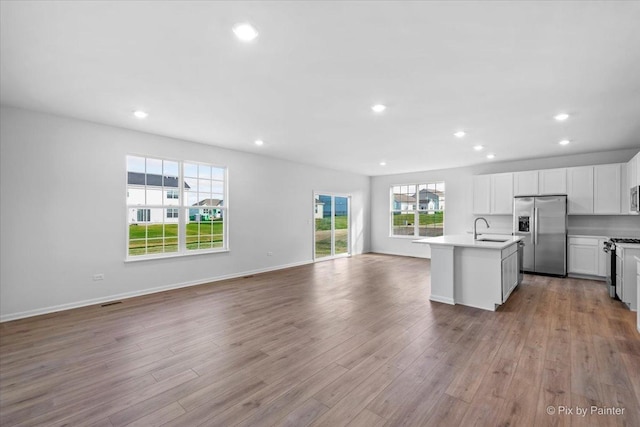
pixel 166 204
pixel 417 210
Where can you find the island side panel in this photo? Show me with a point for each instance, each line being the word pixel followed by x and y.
pixel 442 274
pixel 478 278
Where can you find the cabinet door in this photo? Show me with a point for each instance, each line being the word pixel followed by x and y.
pixel 603 258
pixel 606 189
pixel 632 176
pixel 509 275
pixel 525 183
pixel 502 193
pixel 580 190
pixel 583 259
pixel 482 194
pixel 552 181
pixel 637 168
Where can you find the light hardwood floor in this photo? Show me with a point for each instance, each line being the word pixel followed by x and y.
pixel 345 342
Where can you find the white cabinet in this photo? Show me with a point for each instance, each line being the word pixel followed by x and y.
pixel 626 275
pixel 482 194
pixel 603 257
pixel 632 171
pixel 525 183
pixel 638 292
pixel 509 271
pixel 493 194
pixel 540 182
pixel 584 256
pixel 606 189
pixel 633 180
pixel 552 181
pixel 502 194
pixel 580 190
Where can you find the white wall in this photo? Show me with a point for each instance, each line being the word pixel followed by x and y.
pixel 459 194
pixel 63 213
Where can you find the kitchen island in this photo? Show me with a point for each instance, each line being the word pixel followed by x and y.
pixel 479 273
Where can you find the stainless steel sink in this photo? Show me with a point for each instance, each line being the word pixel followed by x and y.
pixel 486 239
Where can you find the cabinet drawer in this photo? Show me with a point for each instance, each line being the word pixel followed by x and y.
pixel 510 250
pixel 585 241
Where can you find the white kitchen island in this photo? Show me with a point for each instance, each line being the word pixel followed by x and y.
pixel 472 272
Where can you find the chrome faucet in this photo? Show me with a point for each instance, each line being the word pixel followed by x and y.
pixel 475 225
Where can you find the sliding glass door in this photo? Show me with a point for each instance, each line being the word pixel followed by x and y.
pixel 332 223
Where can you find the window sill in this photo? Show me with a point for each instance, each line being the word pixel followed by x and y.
pixel 174 255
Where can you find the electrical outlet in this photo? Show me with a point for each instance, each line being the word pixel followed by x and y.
pixel 269 253
pixel 97 277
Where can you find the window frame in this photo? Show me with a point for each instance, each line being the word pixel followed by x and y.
pixel 183 211
pixel 416 211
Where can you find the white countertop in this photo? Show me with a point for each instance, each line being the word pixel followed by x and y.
pixel 466 240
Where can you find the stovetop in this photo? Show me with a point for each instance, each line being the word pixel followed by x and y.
pixel 625 240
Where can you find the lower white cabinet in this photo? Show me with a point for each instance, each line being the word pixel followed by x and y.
pixel 603 257
pixel 638 291
pixel 586 256
pixel 509 271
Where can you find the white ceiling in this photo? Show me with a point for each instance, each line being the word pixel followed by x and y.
pixel 499 70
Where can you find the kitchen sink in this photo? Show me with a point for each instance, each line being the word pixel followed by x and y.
pixel 492 240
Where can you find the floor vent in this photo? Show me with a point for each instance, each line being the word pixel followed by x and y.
pixel 111 303
pixel 248 277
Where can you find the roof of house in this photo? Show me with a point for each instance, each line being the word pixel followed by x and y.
pixel 138 178
pixel 209 202
pixel 404 198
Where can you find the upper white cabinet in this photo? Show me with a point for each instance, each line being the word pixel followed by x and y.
pixel 502 193
pixel 606 189
pixel 493 194
pixel 552 181
pixel 632 171
pixel 482 194
pixel 590 190
pixel 540 182
pixel 580 190
pixel 633 180
pixel 525 183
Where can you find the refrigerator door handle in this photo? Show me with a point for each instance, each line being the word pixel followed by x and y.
pixel 535 226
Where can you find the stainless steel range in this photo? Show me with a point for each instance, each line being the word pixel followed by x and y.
pixel 618 250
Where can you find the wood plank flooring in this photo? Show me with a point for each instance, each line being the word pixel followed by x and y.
pixel 347 342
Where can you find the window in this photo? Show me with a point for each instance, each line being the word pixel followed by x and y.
pixel 174 207
pixel 417 209
pixel 144 215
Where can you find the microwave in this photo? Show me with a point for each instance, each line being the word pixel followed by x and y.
pixel 634 199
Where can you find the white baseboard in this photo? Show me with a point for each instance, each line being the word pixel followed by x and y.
pixel 126 295
pixel 444 300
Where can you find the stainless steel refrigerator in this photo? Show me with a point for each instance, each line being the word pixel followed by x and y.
pixel 542 221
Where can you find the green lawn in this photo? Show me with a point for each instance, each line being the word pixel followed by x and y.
pixel 158 238
pixel 325 223
pixel 425 219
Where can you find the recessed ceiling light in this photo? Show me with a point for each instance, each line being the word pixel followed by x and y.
pixel 491 156
pixel 561 117
pixel 245 32
pixel 478 147
pixel 460 133
pixel 564 142
pixel 383 163
pixel 140 114
pixel 379 108
pixel 259 142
